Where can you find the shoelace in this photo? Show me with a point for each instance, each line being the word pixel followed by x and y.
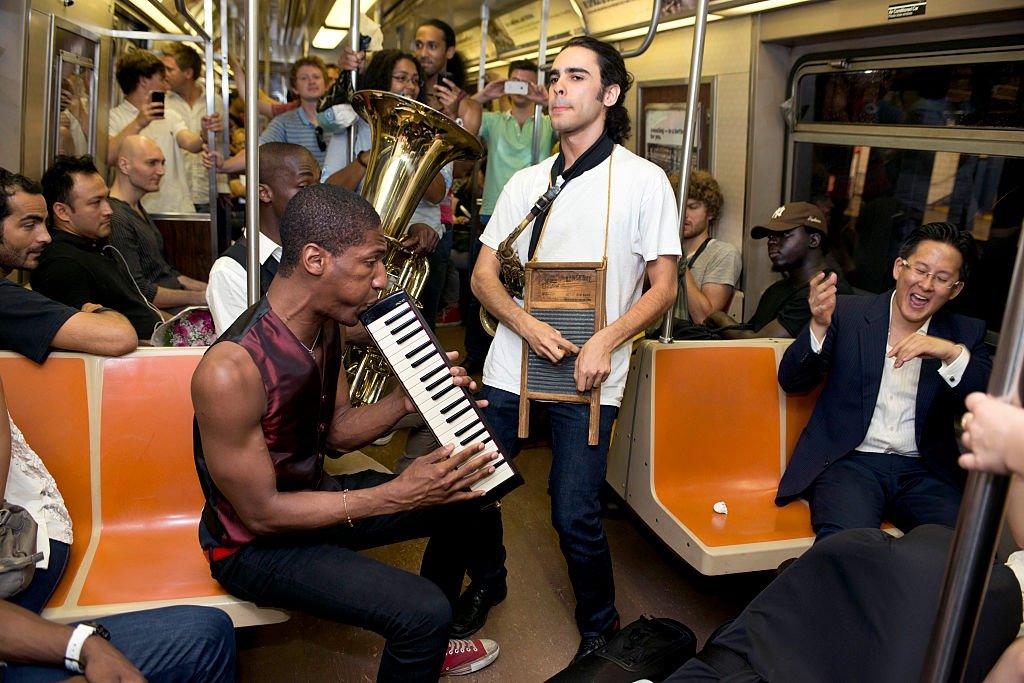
pixel 460 646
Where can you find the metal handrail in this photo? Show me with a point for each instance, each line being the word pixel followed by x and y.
pixel 981 513
pixel 693 88
pixel 651 30
pixel 542 54
pixel 190 20
pixel 252 153
pixel 353 42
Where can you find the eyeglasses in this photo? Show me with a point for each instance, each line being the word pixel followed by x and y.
pixel 405 79
pixel 320 142
pixel 921 274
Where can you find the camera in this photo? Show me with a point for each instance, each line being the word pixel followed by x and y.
pixel 516 87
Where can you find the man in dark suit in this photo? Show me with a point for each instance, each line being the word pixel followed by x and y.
pixel 880 443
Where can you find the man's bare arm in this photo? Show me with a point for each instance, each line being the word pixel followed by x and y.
pixel 720 319
pixel 190 141
pixel 354 427
pixel 703 301
pixel 171 298
pixel 237 457
pixel 105 334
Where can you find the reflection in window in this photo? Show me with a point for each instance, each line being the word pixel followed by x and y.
pixel 875 196
pixel 984 95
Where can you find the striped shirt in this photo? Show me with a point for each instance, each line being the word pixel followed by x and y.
pixel 142 247
pixel 294 127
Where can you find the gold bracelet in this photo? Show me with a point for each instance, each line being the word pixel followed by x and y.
pixel 344 500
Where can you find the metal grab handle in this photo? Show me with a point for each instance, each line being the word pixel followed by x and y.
pixel 190 20
pixel 651 30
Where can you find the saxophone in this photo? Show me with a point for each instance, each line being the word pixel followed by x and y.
pixel 411 144
pixel 511 271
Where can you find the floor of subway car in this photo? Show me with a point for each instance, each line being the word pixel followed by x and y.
pixel 534 625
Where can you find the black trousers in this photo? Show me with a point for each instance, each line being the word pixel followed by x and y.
pixel 858 606
pixel 323 574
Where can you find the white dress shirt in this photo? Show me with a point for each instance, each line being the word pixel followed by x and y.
pixel 892 428
pixel 226 289
pixel 196 174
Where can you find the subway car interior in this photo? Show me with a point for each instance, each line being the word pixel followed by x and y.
pixel 686 452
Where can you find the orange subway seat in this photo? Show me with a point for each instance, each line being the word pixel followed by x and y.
pixel 50 405
pixel 150 498
pixel 717 435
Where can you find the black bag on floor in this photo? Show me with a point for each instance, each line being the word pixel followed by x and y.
pixel 650 647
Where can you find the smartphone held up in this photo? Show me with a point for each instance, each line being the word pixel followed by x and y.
pixel 158 97
pixel 516 87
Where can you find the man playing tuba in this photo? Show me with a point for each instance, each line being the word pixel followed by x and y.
pixel 613 208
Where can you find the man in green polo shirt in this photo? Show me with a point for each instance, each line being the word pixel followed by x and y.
pixel 509 139
pixel 509 135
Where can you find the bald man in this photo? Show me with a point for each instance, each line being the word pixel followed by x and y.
pixel 139 170
pixel 284 170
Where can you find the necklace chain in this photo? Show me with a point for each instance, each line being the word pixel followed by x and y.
pixel 309 349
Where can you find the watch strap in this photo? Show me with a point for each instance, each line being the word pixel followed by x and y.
pixel 73 653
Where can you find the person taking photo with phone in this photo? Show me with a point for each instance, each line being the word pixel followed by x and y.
pixel 142 77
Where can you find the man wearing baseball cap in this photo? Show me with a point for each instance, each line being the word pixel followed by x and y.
pixel 796 234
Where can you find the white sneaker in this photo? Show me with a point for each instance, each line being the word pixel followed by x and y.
pixel 384 440
pixel 466 656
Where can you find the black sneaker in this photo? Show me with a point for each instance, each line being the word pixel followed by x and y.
pixel 590 644
pixel 472 607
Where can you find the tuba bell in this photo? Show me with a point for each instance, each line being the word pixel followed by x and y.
pixel 411 144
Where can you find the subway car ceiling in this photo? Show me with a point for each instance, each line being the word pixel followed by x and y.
pixel 792 94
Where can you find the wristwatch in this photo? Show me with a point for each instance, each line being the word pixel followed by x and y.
pixel 73 653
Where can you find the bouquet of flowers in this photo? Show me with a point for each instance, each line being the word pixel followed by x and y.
pixel 191 327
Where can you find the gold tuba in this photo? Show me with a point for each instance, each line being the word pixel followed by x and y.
pixel 411 144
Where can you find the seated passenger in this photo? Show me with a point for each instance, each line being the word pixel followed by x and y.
pixel 862 591
pixel 140 167
pixel 880 443
pixel 796 235
pixel 277 529
pixel 30 323
pixel 25 481
pixel 173 643
pixel 78 266
pixel 709 269
pixel 284 170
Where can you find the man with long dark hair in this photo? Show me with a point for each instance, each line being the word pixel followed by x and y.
pixel 614 205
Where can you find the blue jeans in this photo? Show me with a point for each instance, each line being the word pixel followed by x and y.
pixel 438 259
pixel 44 581
pixel 170 644
pixel 323 573
pixel 860 490
pixel 574 484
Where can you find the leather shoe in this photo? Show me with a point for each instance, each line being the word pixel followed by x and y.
pixel 590 644
pixel 472 607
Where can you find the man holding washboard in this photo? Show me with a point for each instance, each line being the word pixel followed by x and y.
pixel 612 220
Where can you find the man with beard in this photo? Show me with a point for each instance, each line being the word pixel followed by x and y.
pixel 796 235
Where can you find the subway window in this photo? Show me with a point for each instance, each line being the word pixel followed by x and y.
pixel 884 147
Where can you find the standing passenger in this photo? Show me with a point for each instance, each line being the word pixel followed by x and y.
pixel 613 204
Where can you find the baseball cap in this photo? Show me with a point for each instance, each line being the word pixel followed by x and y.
pixel 790 216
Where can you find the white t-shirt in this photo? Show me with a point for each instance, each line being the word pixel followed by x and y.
pixel 228 286
pixel 174 195
pixel 644 225
pixel 192 114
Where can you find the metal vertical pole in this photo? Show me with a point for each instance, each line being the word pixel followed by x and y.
pixel 353 42
pixel 693 89
pixel 981 513
pixel 485 20
pixel 225 97
pixel 252 152
pixel 211 137
pixel 542 58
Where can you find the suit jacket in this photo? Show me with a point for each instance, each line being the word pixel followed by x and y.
pixel 851 362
